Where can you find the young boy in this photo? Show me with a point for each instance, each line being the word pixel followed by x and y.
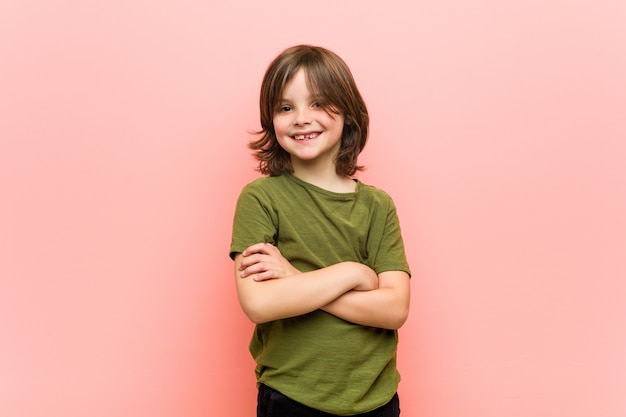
pixel 319 258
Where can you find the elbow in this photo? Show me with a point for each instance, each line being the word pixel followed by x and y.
pixel 256 317
pixel 397 320
pixel 251 304
pixel 255 311
pixel 253 314
pixel 395 324
pixel 400 321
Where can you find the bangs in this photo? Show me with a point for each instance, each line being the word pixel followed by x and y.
pixel 320 83
pixel 324 87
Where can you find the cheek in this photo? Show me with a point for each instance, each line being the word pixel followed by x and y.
pixel 340 126
pixel 337 121
pixel 279 125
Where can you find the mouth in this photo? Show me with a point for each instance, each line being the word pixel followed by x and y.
pixel 306 136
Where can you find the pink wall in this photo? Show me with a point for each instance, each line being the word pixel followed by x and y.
pixel 498 127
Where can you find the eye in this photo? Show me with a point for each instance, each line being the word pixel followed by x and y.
pixel 321 103
pixel 284 108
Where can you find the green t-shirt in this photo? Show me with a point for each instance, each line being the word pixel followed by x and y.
pixel 318 359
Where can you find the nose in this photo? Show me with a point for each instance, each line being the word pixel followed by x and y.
pixel 302 117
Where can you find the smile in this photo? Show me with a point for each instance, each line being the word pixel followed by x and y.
pixel 307 136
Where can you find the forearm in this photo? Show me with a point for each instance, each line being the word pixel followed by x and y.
pixel 273 299
pixel 386 307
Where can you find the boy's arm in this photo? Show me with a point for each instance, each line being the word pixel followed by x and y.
pixel 386 307
pixel 270 288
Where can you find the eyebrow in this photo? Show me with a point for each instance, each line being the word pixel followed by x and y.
pixel 317 97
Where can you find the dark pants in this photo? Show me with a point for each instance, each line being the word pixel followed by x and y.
pixel 274 404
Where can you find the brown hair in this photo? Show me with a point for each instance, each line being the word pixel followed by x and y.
pixel 327 76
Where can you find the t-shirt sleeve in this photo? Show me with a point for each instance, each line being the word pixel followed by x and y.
pixel 390 255
pixel 253 221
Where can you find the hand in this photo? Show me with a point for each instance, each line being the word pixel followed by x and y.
pixel 368 278
pixel 264 261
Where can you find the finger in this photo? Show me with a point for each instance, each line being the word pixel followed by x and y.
pixel 264 276
pixel 258 275
pixel 252 249
pixel 252 259
pixel 271 249
pixel 256 248
pixel 256 268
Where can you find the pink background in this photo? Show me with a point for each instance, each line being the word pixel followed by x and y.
pixel 498 127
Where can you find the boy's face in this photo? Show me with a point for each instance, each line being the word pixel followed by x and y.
pixel 310 133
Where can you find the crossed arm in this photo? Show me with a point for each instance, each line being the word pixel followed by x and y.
pixel 270 288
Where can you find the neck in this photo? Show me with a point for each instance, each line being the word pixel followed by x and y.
pixel 327 179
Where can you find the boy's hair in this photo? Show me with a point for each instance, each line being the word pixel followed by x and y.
pixel 328 77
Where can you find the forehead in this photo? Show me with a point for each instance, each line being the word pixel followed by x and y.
pixel 301 83
pixel 298 85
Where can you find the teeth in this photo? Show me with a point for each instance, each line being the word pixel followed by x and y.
pixel 302 137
